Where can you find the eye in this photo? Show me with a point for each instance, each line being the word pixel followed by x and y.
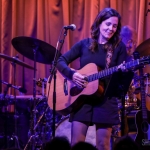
pixel 115 25
pixel 108 23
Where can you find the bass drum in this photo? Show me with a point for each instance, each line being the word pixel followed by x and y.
pixel 64 129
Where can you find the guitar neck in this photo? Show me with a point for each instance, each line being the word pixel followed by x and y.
pixel 143 97
pixel 110 71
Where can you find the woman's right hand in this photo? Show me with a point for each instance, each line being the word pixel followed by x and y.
pixel 79 80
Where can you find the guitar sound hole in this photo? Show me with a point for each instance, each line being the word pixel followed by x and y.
pixel 75 91
pixel 145 126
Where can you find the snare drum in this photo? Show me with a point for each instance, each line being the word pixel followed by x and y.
pixel 64 129
pixel 24 103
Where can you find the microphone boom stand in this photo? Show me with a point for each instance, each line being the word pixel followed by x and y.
pixel 53 75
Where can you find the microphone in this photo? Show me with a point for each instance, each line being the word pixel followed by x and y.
pixel 71 27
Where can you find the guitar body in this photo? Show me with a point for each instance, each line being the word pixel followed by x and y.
pixel 143 117
pixel 143 130
pixel 66 103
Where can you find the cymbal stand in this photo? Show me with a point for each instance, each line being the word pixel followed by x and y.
pixel 14 136
pixel 15 116
pixel 41 83
pixel 43 86
pixel 32 135
pixel 5 120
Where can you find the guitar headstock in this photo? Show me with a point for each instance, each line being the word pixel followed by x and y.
pixel 144 60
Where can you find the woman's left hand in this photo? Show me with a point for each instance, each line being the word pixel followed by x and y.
pixel 122 67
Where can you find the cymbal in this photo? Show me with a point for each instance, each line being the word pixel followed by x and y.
pixel 26 45
pixel 144 48
pixel 16 60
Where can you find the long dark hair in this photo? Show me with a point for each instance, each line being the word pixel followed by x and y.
pixel 103 15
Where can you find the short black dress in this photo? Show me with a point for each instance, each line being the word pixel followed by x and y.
pixel 103 110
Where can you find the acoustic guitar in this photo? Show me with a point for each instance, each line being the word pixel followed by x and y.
pixel 142 119
pixel 67 93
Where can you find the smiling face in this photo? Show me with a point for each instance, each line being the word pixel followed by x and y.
pixel 107 29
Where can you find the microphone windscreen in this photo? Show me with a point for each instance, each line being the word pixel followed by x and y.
pixel 73 26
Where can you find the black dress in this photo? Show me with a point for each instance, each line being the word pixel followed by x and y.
pixel 95 109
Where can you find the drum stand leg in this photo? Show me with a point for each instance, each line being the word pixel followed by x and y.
pixel 14 136
pixel 15 114
pixel 16 140
pixel 33 129
pixel 31 141
pixel 27 145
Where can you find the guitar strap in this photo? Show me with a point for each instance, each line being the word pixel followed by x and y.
pixel 109 54
pixel 108 57
pixel 108 60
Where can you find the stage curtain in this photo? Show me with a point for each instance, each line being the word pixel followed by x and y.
pixel 44 20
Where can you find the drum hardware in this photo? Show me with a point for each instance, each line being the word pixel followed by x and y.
pixel 136 84
pixel 26 45
pixel 19 88
pixel 15 111
pixel 38 51
pixel 143 48
pixel 40 118
pixel 134 89
pixel 24 107
pixel 42 128
pixel 131 101
pixel 14 61
pixel 41 83
pixel 14 136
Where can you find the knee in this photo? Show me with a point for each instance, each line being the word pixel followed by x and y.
pixel 103 144
pixel 75 140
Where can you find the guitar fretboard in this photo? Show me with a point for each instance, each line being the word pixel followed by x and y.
pixel 143 97
pixel 110 71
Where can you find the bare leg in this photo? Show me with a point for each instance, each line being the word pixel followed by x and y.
pixel 78 132
pixel 103 136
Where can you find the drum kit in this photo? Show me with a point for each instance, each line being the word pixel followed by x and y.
pixel 132 98
pixel 35 109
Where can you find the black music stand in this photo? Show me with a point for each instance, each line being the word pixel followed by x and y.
pixel 117 87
